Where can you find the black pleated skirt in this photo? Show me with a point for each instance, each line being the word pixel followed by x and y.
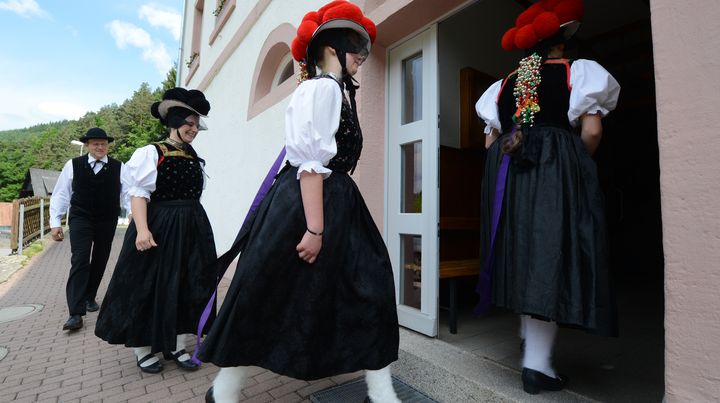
pixel 155 295
pixel 308 321
pixel 551 257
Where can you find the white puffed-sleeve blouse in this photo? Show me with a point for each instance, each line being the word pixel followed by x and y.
pixel 141 172
pixel 311 121
pixel 593 91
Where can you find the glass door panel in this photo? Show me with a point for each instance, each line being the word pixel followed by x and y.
pixel 412 184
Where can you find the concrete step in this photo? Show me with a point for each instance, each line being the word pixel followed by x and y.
pixel 449 374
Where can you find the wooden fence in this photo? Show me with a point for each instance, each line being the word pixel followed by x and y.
pixel 26 216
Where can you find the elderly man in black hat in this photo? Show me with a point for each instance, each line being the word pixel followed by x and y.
pixel 90 186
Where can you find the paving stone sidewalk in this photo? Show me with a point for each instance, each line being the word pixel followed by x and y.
pixel 46 364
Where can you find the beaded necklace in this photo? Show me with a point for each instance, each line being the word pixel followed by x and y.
pixel 525 91
pixel 175 143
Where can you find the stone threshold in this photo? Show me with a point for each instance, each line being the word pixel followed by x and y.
pixel 449 374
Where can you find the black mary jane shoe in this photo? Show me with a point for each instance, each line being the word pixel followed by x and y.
pixel 535 381
pixel 209 398
pixel 187 365
pixel 153 368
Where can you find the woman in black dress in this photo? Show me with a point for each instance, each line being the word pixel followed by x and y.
pixel 165 272
pixel 313 294
pixel 543 123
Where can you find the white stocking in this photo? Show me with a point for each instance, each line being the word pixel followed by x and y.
pixel 523 325
pixel 179 345
pixel 228 384
pixel 141 352
pixel 539 339
pixel 380 388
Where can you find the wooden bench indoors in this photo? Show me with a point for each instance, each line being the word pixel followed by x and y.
pixel 451 270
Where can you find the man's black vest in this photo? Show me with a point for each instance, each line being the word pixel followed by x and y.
pixel 95 196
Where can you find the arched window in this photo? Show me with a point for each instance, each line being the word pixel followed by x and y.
pixel 273 71
pixel 286 70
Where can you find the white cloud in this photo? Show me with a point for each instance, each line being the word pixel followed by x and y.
pixel 24 8
pixel 163 17
pixel 154 51
pixel 33 106
pixel 62 110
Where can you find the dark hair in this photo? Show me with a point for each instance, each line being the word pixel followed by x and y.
pixel 512 144
pixel 176 116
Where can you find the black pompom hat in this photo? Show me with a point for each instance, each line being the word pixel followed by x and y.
pixel 96 133
pixel 192 100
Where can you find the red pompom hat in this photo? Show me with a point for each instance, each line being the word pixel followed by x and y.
pixel 543 20
pixel 336 14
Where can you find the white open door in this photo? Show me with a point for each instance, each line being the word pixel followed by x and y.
pixel 412 179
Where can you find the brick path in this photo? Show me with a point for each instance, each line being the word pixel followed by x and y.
pixel 46 364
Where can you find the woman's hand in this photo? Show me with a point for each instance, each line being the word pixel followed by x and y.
pixel 144 240
pixel 309 247
pixel 491 137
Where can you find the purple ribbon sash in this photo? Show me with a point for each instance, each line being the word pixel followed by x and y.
pixel 261 193
pixel 485 281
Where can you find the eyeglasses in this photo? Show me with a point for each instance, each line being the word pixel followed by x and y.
pixel 200 124
pixel 361 53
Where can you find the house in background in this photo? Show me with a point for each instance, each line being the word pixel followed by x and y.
pixel 422 160
pixel 39 182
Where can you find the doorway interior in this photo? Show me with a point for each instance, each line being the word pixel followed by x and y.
pixel 617 34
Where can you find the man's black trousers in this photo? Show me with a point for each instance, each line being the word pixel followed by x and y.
pixel 90 242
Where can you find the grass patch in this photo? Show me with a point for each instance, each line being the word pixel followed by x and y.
pixel 33 249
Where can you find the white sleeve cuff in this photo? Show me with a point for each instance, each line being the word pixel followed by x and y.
pixel 314 167
pixel 138 192
pixel 55 222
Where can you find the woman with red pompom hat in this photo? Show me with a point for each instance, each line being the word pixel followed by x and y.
pixel 544 246
pixel 313 294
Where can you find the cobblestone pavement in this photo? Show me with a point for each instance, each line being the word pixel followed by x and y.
pixel 46 364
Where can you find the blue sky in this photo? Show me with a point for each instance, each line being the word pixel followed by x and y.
pixel 61 59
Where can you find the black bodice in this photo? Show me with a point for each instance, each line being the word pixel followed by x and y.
pixel 179 175
pixel 553 97
pixel 348 138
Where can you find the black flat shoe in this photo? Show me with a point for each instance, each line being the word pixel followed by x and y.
pixel 153 368
pixel 209 398
pixel 187 365
pixel 535 381
pixel 75 322
pixel 92 306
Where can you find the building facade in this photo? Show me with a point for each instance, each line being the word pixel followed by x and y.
pixel 422 157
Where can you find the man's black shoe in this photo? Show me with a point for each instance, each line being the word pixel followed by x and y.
pixel 92 306
pixel 75 322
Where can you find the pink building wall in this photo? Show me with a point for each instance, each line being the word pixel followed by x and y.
pixel 687 63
